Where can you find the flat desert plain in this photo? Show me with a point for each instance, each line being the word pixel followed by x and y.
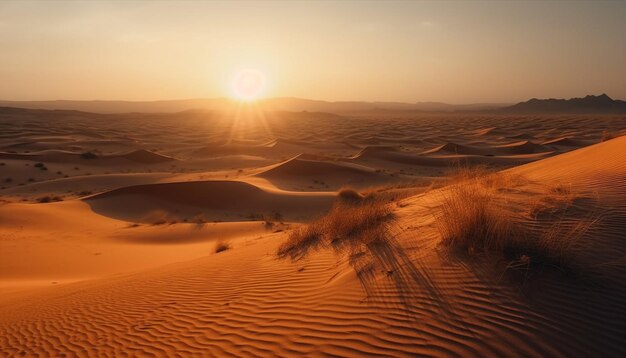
pixel 300 234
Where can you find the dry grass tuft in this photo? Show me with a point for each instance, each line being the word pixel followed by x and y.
pixel 555 199
pixel 346 226
pixel 561 243
pixel 476 216
pixel 364 234
pixel 221 246
pixel 350 195
pixel 470 221
pixel 48 199
pixel 464 173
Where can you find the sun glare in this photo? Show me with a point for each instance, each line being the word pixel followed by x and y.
pixel 248 84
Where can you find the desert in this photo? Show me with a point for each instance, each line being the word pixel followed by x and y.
pixel 169 241
pixel 270 178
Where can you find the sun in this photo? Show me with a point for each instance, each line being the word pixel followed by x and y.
pixel 248 84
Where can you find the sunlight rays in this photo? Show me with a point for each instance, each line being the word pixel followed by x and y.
pixel 249 122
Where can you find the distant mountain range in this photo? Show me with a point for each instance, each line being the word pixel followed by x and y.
pixel 588 104
pixel 224 104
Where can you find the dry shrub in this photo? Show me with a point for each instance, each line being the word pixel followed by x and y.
pixel 470 220
pixel 89 155
pixel 221 246
pixel 561 244
pixel 49 199
pixel 555 199
pixel 346 226
pixel 463 173
pixel 364 234
pixel 350 195
pixel 485 176
pixel 475 217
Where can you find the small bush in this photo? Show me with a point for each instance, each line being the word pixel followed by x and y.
pixel 48 199
pixel 41 166
pixel 474 217
pixel 469 220
pixel 221 246
pixel 555 199
pixel 88 155
pixel 350 195
pixel 345 227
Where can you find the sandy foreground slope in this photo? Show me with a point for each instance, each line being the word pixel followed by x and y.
pixel 130 269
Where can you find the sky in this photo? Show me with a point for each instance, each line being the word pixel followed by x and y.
pixel 407 51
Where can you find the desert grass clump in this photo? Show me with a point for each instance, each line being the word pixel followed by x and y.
pixel 553 200
pixel 346 227
pixel 350 195
pixel 480 217
pixel 365 235
pixel 48 199
pixel 304 239
pixel 88 155
pixel 561 244
pixel 463 173
pixel 470 220
pixel 221 246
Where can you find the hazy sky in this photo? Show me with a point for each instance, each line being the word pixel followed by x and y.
pixel 457 52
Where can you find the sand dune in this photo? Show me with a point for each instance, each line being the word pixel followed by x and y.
pixel 454 148
pixel 44 155
pixel 82 185
pixel 327 175
pixel 522 147
pixel 382 157
pixel 58 239
pixel 143 156
pixel 278 148
pixel 213 200
pixel 138 156
pixel 564 141
pixel 246 301
pixel 131 268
